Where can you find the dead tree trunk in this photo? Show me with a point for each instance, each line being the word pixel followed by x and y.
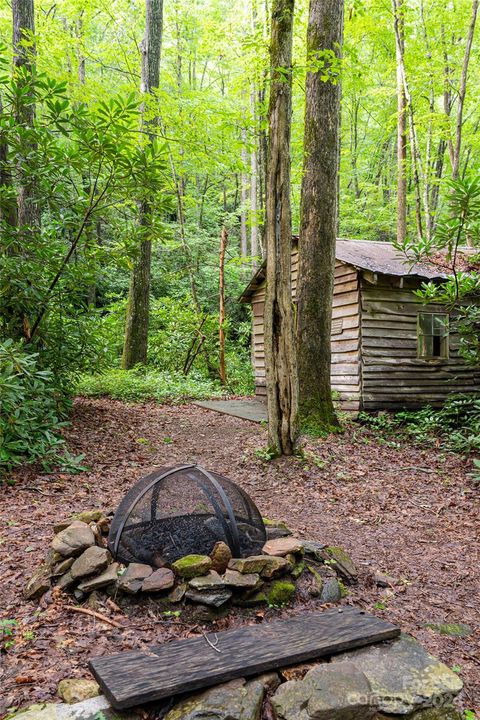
pixel 463 91
pixel 401 126
pixel 319 215
pixel 136 328
pixel 221 314
pixel 280 354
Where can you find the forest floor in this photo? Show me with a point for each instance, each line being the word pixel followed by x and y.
pixel 403 510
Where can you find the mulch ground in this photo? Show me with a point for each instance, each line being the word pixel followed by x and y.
pixel 406 511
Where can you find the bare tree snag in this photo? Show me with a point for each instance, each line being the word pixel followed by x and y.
pixel 401 125
pixel 28 214
pixel 221 313
pixel 463 91
pixel 136 327
pixel 319 215
pixel 280 353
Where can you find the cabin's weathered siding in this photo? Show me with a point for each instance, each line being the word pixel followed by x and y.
pixel 345 340
pixel 392 375
pixel 345 334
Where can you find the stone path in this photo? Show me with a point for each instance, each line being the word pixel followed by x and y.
pixel 247 408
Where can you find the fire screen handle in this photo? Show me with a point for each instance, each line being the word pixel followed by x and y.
pixel 232 530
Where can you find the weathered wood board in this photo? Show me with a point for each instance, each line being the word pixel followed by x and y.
pixel 134 678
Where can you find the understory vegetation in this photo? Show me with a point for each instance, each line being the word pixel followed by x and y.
pixel 83 145
pixel 454 427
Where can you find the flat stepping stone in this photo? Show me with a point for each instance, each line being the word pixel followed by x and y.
pixel 134 678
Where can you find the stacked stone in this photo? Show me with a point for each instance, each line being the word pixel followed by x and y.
pixel 79 562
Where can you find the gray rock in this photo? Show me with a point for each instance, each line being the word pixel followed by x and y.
pixel 342 563
pixel 66 581
pixel 328 692
pixel 313 549
pixel 178 593
pixel 161 579
pixel 107 578
pixel 191 566
pixel 273 533
pixel 265 565
pixel 331 592
pixel 62 567
pixel 438 713
pixel 220 557
pixel 39 711
pixel 74 690
pixel 212 598
pixel 212 581
pixel 132 579
pixel 241 581
pixel 404 676
pixel 451 629
pixel 38 584
pixel 93 560
pixel 283 546
pixel 235 700
pixel 73 540
pixel 86 516
pixel 97 708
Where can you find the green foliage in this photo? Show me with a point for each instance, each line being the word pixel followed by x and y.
pixel 7 633
pixel 456 424
pixel 32 412
pixel 142 384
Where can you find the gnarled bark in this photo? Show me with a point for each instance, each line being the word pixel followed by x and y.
pixel 280 355
pixel 319 216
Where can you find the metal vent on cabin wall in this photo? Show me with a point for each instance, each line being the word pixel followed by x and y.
pixel 181 511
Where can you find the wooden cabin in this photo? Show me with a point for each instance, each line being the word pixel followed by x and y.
pixel 389 351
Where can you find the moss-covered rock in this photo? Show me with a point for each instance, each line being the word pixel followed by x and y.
pixel 452 629
pixel 192 566
pixel 280 593
pixel 298 570
pixel 341 562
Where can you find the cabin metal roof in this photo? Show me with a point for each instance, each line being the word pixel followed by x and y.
pixel 383 258
pixel 377 257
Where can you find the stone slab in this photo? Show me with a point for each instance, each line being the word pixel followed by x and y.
pixel 246 408
pixel 404 676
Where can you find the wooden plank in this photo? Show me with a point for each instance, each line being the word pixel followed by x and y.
pixel 134 678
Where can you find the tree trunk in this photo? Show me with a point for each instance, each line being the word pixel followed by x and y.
pixel 136 328
pixel 221 314
pixel 401 126
pixel 28 214
pixel 280 353
pixel 244 198
pixel 318 223
pixel 463 91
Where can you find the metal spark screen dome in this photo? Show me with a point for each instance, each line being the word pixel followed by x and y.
pixel 181 511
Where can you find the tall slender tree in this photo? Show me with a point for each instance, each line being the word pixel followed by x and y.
pixel 319 213
pixel 280 355
pixel 136 329
pixel 398 20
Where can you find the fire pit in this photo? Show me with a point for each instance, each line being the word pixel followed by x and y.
pixel 184 510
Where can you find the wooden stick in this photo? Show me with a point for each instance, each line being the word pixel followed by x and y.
pixel 94 614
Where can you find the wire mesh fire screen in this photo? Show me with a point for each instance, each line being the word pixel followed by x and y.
pixel 181 511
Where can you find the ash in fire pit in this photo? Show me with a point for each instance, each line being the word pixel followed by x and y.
pixel 181 511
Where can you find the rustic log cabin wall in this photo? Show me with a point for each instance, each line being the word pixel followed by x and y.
pixel 345 342
pixel 374 341
pixel 392 375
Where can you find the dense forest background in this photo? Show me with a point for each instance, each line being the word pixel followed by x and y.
pixel 70 132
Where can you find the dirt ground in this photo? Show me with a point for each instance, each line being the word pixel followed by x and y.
pixel 406 511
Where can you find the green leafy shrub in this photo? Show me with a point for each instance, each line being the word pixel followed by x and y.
pixel 142 384
pixel 457 423
pixel 31 411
